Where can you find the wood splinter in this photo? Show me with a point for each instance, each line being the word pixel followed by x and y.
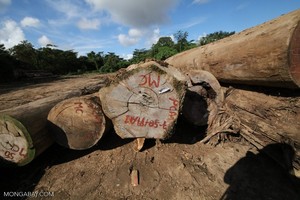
pixel 134 178
pixel 139 143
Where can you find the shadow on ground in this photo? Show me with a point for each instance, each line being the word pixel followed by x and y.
pixel 258 176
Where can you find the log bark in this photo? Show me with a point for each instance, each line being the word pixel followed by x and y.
pixel 23 129
pixel 260 119
pixel 203 99
pixel 144 102
pixel 78 123
pixel 266 55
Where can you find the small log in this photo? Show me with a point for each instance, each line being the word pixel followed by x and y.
pixel 23 130
pixel 204 97
pixel 78 123
pixel 267 55
pixel 144 102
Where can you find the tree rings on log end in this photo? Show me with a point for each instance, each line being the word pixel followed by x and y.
pixel 294 55
pixel 16 145
pixel 78 123
pixel 144 102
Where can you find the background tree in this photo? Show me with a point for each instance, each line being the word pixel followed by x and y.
pixel 140 55
pixel 26 54
pixel 113 62
pixel 181 38
pixel 214 37
pixel 8 64
pixel 164 48
pixel 96 58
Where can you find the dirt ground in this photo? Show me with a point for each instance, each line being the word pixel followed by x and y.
pixel 178 168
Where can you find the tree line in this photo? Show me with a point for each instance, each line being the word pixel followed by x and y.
pixel 24 57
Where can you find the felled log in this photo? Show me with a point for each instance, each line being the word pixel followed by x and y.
pixel 144 102
pixel 23 130
pixel 78 123
pixel 204 97
pixel 266 55
pixel 266 119
pixel 260 119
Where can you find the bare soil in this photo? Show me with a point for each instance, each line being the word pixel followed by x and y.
pixel 178 168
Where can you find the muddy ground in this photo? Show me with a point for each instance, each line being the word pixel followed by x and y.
pixel 178 168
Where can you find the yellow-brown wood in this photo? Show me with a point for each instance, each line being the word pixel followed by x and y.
pixel 78 123
pixel 267 54
pixel 144 102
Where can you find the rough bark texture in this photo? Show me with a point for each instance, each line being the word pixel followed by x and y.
pixel 260 119
pixel 144 102
pixel 78 123
pixel 24 126
pixel 268 54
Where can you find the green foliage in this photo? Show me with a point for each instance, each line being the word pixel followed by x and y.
pixel 26 54
pixel 164 53
pixel 181 38
pixel 96 59
pixel 7 63
pixel 140 55
pixel 51 59
pixel 212 37
pixel 112 63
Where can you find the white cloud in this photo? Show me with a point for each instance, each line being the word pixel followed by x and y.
pixel 127 40
pixel 142 13
pixel 126 56
pixel 155 35
pixel 133 37
pixel 202 36
pixel 44 40
pixel 136 33
pixel 67 7
pixel 10 34
pixel 201 1
pixel 30 22
pixel 4 4
pixel 88 23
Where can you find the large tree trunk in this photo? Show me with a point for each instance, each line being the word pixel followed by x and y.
pixel 78 123
pixel 259 118
pixel 144 102
pixel 23 130
pixel 268 55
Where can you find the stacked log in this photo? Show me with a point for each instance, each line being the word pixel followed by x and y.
pixel 145 101
pixel 78 123
pixel 265 55
pixel 23 129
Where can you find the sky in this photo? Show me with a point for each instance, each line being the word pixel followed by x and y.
pixel 121 26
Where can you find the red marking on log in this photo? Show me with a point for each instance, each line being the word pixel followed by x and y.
pixel 9 155
pixel 15 148
pixel 132 120
pixel 78 107
pixel 147 80
pixel 21 153
pixel 173 109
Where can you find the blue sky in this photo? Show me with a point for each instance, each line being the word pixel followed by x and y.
pixel 122 26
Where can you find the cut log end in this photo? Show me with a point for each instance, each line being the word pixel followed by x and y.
pixel 295 56
pixel 16 145
pixel 144 103
pixel 78 123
